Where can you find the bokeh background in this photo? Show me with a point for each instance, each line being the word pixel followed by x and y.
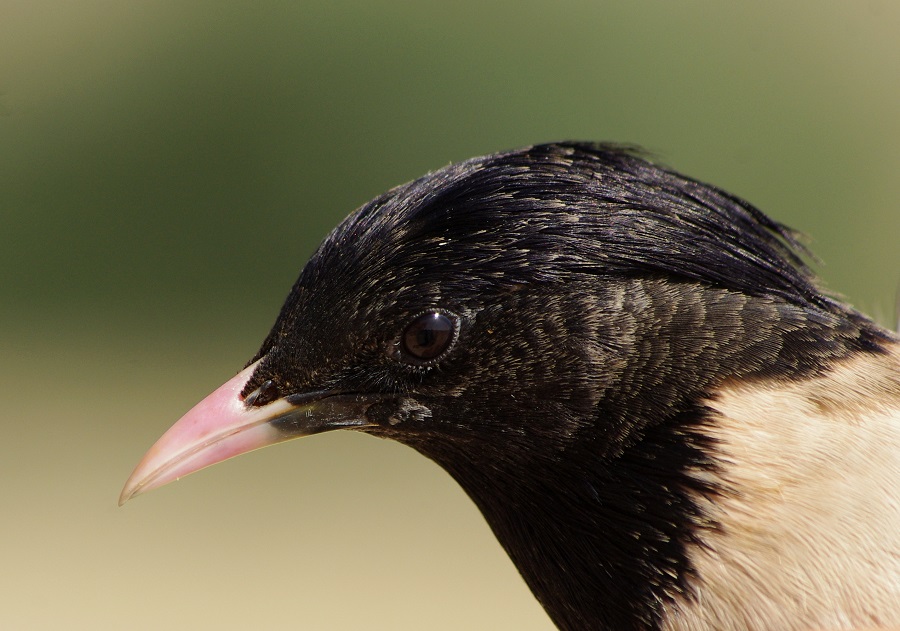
pixel 167 166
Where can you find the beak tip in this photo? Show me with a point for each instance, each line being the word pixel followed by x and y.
pixel 128 491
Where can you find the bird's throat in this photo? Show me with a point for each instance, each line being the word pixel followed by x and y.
pixel 608 547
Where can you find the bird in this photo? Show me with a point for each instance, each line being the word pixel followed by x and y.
pixel 664 418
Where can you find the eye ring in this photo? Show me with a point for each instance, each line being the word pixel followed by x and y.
pixel 428 337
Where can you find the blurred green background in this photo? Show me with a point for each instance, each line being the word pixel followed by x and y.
pixel 167 166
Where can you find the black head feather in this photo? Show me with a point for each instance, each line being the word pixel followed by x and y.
pixel 561 211
pixel 599 299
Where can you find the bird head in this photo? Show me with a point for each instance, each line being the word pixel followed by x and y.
pixel 543 323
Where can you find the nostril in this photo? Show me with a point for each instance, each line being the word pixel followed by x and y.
pixel 264 394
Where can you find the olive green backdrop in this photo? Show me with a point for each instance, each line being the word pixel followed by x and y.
pixel 167 166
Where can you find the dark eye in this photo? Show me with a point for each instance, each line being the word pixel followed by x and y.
pixel 428 336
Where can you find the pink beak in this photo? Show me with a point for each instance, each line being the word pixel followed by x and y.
pixel 222 426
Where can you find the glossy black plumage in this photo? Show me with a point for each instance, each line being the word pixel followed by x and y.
pixel 602 302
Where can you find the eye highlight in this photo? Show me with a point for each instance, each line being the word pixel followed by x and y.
pixel 428 336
